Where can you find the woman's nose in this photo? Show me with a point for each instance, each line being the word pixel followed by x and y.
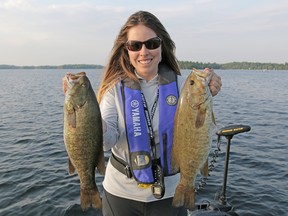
pixel 144 50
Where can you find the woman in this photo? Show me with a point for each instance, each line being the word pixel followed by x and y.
pixel 138 97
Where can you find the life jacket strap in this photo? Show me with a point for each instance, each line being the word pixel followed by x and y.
pixel 121 166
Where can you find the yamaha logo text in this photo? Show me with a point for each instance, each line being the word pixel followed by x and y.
pixel 136 118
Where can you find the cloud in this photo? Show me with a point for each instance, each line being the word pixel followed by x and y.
pixel 90 27
pixel 83 7
pixel 20 5
pixel 14 4
pixel 40 6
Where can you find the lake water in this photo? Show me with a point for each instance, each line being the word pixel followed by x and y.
pixel 33 161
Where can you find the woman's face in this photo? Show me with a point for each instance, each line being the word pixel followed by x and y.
pixel 145 61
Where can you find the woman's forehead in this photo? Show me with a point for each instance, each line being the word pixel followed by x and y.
pixel 140 33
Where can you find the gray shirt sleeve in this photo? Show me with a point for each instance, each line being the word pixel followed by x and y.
pixel 110 116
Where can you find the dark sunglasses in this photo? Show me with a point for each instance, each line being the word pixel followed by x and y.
pixel 150 44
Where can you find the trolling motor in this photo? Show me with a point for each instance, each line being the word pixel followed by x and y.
pixel 222 207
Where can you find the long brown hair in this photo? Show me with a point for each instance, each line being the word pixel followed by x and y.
pixel 119 67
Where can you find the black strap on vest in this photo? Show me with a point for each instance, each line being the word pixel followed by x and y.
pixel 121 166
pixel 149 121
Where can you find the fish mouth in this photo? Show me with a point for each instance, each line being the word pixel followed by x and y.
pixel 70 79
pixel 73 78
pixel 200 74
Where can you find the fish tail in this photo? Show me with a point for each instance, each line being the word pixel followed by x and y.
pixel 179 196
pixel 96 199
pixel 90 198
pixel 184 196
pixel 190 198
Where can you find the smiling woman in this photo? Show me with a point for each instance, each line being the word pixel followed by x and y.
pixel 138 97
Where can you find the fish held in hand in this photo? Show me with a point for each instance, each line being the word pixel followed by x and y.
pixel 193 127
pixel 83 136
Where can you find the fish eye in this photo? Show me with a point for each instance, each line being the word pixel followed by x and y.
pixel 85 84
pixel 192 82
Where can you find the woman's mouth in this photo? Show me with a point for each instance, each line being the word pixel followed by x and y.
pixel 144 62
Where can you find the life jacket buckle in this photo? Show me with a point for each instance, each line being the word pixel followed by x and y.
pixel 128 171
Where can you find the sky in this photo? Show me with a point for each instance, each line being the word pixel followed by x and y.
pixel 57 32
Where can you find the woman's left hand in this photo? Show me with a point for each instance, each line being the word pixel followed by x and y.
pixel 215 82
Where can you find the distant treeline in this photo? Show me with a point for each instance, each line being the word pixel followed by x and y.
pixel 234 65
pixel 67 66
pixel 182 64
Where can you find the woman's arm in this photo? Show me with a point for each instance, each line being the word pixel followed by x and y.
pixel 109 119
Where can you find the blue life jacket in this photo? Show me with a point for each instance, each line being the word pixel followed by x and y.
pixel 136 126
